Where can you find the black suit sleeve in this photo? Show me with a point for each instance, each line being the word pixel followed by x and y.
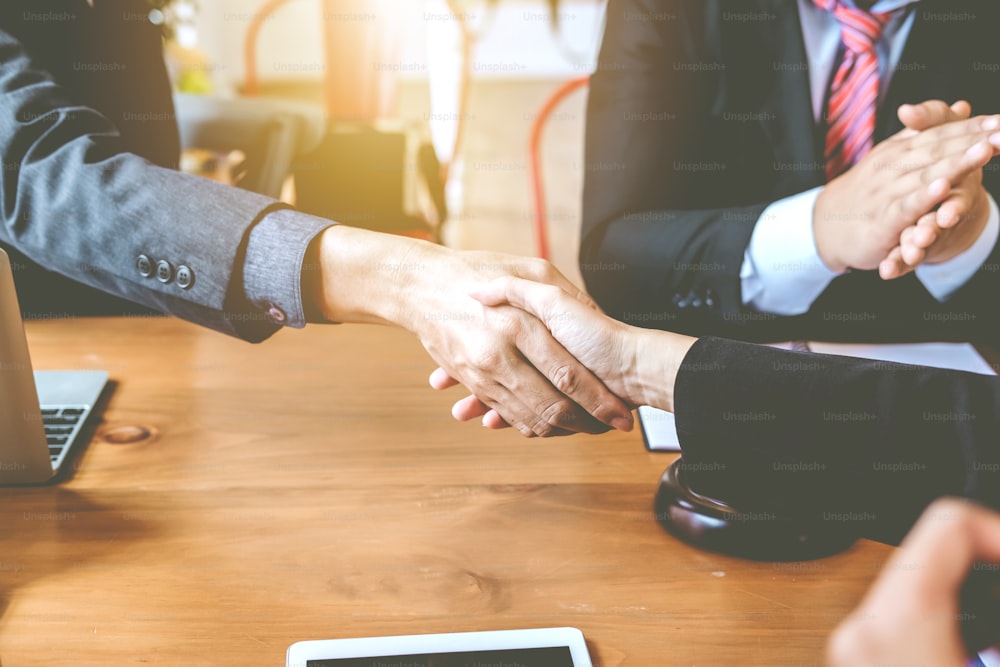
pixel 868 442
pixel 655 239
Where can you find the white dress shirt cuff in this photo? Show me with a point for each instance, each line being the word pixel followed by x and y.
pixel 782 272
pixel 944 279
pixel 990 657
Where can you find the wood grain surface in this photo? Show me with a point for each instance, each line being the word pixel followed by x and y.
pixel 238 498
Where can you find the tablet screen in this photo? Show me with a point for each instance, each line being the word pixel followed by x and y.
pixel 558 656
pixel 535 647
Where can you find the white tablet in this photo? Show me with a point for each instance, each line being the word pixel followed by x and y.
pixel 542 647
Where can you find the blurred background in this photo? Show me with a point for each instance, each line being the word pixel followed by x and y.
pixel 435 101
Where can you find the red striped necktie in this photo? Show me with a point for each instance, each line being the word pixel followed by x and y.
pixel 853 100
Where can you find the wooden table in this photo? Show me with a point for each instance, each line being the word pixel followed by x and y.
pixel 238 498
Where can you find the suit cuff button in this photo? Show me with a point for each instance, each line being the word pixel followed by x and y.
pixel 164 271
pixel 144 265
pixel 185 277
pixel 277 314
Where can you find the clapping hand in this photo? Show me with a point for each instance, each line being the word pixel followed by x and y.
pixel 908 188
pixel 939 235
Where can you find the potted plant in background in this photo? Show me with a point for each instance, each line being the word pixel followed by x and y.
pixel 190 69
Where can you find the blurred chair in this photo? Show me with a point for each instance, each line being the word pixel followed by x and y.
pixel 535 158
pixel 382 175
pixel 269 134
pixel 370 170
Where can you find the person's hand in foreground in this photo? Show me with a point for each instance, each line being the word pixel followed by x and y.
pixel 504 356
pixel 910 616
pixel 639 365
pixel 942 234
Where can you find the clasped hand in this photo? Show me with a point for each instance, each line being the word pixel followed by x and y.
pixel 916 198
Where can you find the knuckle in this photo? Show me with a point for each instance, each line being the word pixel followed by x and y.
pixel 567 378
pixel 524 429
pixel 915 204
pixel 512 324
pixel 954 165
pixel 542 427
pixel 550 294
pixel 488 358
pixel 888 146
pixel 540 269
pixel 896 212
pixel 482 385
pixel 560 413
pixel 929 173
pixel 507 322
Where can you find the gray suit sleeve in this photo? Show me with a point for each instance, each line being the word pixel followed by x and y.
pixel 73 200
pixel 275 269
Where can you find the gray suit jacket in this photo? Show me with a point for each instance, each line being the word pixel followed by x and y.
pixel 88 190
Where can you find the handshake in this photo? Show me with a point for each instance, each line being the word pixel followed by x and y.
pixel 916 198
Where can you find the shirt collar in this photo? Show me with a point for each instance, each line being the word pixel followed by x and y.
pixel 885 6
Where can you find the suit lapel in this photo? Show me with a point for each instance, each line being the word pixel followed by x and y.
pixel 928 67
pixel 777 84
pixel 909 81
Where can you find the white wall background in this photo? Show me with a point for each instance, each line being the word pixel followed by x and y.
pixel 517 41
pixel 518 65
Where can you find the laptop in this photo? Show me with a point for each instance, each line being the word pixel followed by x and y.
pixel 42 413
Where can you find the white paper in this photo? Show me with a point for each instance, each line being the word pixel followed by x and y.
pixel 956 356
pixel 660 432
pixel 658 429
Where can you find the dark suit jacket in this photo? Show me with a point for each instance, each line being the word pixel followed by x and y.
pixel 851 441
pixel 699 117
pixel 88 143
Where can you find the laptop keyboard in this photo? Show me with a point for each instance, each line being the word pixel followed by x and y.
pixel 62 423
